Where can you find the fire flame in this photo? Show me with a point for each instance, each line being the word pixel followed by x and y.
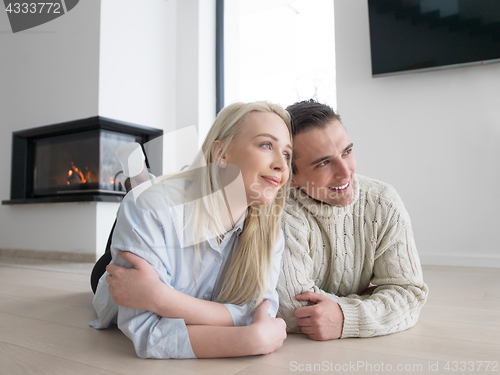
pixel 74 169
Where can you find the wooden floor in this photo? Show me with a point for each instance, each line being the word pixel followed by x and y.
pixel 45 309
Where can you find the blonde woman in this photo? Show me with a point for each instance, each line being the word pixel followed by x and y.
pixel 205 246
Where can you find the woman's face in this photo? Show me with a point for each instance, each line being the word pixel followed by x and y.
pixel 261 150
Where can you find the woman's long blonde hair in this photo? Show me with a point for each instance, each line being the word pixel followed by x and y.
pixel 250 267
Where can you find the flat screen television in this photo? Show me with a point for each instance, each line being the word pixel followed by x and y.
pixel 415 35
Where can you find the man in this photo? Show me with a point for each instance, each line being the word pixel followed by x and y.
pixel 343 233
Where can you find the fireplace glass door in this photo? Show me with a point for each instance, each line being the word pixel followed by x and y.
pixel 83 162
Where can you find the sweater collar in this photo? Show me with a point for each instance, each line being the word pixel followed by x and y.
pixel 320 209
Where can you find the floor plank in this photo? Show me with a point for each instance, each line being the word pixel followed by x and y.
pixel 17 360
pixel 455 331
pixel 51 312
pixel 76 298
pixel 462 315
pixel 483 304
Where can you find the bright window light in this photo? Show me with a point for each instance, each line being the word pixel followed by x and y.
pixel 286 52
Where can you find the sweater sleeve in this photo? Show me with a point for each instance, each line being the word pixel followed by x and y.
pixel 396 302
pixel 296 268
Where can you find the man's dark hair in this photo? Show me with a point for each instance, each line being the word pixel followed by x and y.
pixel 308 115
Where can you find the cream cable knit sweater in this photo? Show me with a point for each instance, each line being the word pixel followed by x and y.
pixel 338 251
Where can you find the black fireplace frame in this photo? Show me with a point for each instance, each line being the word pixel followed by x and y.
pixel 22 164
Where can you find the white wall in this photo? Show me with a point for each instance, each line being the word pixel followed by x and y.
pixel 206 66
pixel 434 136
pixel 195 69
pixel 62 227
pixel 48 74
pixel 152 65
pixel 137 63
pixel 157 65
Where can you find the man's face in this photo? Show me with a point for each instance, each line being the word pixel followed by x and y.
pixel 325 164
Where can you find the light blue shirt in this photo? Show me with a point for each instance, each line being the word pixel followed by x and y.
pixel 147 229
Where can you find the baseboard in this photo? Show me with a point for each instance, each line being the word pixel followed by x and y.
pixel 49 255
pixel 426 259
pixel 488 261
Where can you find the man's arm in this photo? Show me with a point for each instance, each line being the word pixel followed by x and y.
pixel 321 321
pixel 395 303
pixel 393 306
pixel 296 276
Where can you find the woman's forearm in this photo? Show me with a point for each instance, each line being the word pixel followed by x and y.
pixel 174 304
pixel 263 336
pixel 219 342
pixel 141 288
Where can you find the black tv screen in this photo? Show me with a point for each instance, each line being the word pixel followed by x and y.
pixel 409 35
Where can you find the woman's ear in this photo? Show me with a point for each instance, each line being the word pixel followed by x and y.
pixel 216 152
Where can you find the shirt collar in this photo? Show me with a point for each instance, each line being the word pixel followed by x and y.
pixel 238 226
pixel 228 236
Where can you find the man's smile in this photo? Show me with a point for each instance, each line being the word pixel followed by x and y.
pixel 340 188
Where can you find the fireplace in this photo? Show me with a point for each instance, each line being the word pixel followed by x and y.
pixel 73 161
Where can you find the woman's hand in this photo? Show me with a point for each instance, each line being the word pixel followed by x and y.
pixel 263 336
pixel 269 332
pixel 138 287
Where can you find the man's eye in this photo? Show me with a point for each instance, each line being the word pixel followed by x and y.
pixel 347 152
pixel 323 163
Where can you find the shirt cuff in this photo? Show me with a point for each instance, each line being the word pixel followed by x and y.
pixel 241 314
pixel 172 338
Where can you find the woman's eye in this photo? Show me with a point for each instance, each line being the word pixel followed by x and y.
pixel 287 155
pixel 266 145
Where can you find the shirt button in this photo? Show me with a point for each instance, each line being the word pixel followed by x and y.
pixel 217 259
pixel 206 296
